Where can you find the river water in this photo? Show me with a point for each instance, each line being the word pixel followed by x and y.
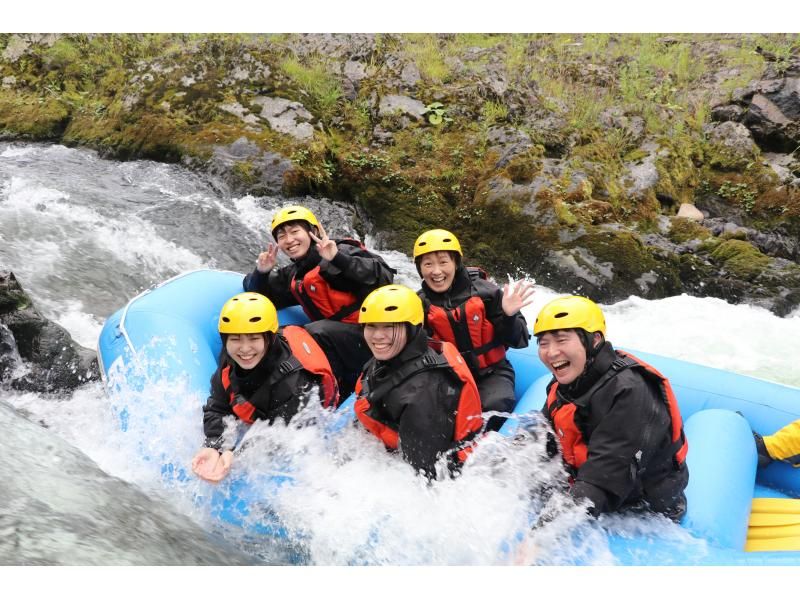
pixel 83 235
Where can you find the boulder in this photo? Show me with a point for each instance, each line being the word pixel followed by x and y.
pixel 53 360
pixel 287 117
pixel 403 105
pixel 691 212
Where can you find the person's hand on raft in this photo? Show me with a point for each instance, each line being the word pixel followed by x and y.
pixel 208 464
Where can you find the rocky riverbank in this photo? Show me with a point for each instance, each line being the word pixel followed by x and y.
pixel 604 164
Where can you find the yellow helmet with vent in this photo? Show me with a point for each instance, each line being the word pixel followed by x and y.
pixel 290 213
pixel 391 304
pixel 437 239
pixel 570 312
pixel 248 313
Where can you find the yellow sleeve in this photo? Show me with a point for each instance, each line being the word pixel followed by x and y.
pixel 784 445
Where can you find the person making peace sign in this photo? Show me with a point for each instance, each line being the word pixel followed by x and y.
pixel 328 278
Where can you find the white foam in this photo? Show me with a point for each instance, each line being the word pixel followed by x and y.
pixel 83 327
pixel 249 212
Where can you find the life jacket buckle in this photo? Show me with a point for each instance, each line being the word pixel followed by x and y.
pixel 618 364
pixel 286 367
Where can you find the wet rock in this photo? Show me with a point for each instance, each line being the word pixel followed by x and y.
pixel 508 142
pixel 54 361
pixel 730 112
pixel 552 132
pixel 18 44
pixel 786 166
pixel 641 177
pixel 266 170
pixel 240 111
pixel 733 145
pixel 9 356
pixel 410 76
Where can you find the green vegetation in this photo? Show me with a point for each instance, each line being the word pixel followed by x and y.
pixel 500 110
pixel 323 88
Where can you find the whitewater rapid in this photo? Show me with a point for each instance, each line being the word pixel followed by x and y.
pixel 84 235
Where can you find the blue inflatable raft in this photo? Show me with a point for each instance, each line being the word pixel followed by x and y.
pixel 719 410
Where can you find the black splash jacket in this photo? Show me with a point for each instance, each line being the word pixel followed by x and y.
pixel 353 270
pixel 274 395
pixel 509 331
pixel 421 409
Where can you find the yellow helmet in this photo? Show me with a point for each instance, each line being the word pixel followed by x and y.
pixel 248 313
pixel 390 304
pixel 570 312
pixel 290 213
pixel 437 239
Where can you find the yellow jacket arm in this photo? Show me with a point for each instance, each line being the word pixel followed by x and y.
pixel 784 445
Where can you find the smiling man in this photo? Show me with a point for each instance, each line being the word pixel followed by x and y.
pixel 328 278
pixel 616 417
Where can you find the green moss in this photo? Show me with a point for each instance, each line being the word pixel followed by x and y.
pixel 676 163
pixel 741 259
pixel 31 116
pixel 683 229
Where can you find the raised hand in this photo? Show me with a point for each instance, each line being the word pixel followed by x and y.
pixel 267 259
pixel 325 245
pixel 517 295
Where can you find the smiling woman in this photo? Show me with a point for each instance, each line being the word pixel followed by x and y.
pixel 411 396
pixel 263 374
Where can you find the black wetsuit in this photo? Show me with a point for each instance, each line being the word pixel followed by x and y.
pixel 352 270
pixel 420 407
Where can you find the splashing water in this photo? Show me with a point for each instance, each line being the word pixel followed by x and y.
pixel 84 235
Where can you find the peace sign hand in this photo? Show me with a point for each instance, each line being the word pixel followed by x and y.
pixel 517 295
pixel 267 259
pixel 325 245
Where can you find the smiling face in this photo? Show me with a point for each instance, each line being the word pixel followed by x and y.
pixel 246 349
pixel 564 354
pixel 293 239
pixel 385 340
pixel 438 268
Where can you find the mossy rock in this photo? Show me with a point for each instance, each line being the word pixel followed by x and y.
pixel 684 229
pixel 632 262
pixel 741 259
pixel 33 117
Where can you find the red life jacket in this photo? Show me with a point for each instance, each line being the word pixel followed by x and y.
pixel 306 355
pixel 573 444
pixel 468 328
pixel 320 301
pixel 468 413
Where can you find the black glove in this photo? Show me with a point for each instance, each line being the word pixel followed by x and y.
pixel 764 458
